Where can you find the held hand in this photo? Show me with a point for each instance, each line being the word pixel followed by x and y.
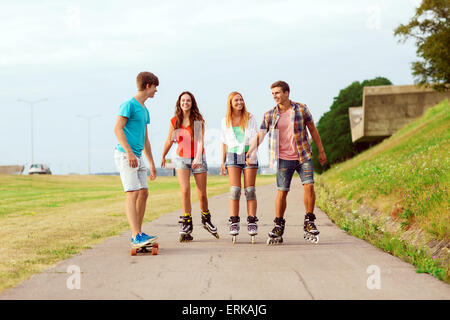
pixel 247 160
pixel 250 159
pixel 223 170
pixel 322 158
pixel 132 160
pixel 163 162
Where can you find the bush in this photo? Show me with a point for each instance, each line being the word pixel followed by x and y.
pixel 334 125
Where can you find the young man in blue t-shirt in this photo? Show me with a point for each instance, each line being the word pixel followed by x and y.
pixel 131 131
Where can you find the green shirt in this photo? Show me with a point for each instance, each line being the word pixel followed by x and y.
pixel 240 135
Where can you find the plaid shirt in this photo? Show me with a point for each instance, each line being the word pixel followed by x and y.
pixel 300 117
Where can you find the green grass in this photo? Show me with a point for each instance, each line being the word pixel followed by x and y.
pixel 46 219
pixel 406 178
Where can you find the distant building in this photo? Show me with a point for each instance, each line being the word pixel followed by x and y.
pixel 386 109
pixel 11 169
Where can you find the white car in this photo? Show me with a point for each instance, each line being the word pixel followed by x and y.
pixel 38 168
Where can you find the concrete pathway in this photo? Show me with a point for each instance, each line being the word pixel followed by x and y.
pixel 339 267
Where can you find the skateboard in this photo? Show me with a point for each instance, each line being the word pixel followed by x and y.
pixel 150 247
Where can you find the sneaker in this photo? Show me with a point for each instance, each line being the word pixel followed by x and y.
pixel 139 242
pixel 147 237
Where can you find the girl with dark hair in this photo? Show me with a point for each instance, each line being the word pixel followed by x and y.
pixel 187 129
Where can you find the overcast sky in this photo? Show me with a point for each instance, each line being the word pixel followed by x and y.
pixel 83 56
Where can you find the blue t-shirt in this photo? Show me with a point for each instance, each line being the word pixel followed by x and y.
pixel 138 118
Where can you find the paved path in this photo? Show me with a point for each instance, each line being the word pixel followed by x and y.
pixel 208 268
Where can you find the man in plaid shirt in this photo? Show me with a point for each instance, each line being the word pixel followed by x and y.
pixel 290 151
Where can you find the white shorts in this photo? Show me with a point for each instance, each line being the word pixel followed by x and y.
pixel 133 179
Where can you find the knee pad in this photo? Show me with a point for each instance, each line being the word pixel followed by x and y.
pixel 235 193
pixel 250 193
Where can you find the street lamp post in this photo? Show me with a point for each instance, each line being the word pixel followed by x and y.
pixel 89 118
pixel 31 104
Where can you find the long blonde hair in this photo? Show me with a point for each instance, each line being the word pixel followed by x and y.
pixel 244 116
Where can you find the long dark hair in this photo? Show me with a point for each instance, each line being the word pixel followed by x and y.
pixel 194 115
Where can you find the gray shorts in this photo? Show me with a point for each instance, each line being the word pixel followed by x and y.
pixel 133 179
pixel 186 164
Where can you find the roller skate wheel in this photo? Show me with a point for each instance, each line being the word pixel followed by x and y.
pixel 253 239
pixel 274 241
pixel 233 239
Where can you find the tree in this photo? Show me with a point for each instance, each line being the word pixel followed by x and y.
pixel 334 125
pixel 430 27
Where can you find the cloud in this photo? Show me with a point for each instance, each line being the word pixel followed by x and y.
pixel 111 32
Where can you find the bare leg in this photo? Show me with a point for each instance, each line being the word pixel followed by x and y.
pixel 141 205
pixel 280 203
pixel 200 181
pixel 185 188
pixel 249 181
pixel 234 176
pixel 310 197
pixel 131 211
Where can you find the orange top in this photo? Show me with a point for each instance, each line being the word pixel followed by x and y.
pixel 185 140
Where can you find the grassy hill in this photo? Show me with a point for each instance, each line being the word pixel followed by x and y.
pixel 396 195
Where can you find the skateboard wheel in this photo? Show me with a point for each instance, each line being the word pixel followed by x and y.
pixel 133 251
pixel 154 251
pixel 155 245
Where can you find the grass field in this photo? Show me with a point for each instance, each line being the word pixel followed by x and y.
pixel 407 179
pixel 46 219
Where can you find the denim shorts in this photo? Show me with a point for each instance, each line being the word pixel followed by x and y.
pixel 238 160
pixel 133 179
pixel 186 164
pixel 286 170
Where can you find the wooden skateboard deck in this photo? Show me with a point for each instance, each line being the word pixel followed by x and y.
pixel 151 247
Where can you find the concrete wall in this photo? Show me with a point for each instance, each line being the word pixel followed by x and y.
pixel 356 123
pixel 11 169
pixel 386 109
